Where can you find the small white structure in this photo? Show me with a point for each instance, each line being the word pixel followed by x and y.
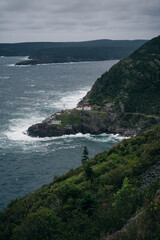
pixel 87 107
pixel 53 116
pixel 79 108
pixel 69 126
pixel 56 122
pixel 58 113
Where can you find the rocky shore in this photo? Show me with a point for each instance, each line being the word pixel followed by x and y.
pixel 93 122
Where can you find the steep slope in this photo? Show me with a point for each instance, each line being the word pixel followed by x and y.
pixel 95 199
pixel 132 85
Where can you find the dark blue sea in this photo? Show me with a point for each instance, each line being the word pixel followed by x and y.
pixel 29 94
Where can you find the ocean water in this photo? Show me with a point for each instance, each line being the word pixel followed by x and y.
pixel 29 94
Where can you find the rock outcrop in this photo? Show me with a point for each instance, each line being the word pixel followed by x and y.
pixel 94 122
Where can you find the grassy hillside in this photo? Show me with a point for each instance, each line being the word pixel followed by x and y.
pixel 132 85
pixel 95 199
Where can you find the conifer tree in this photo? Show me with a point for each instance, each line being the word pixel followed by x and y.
pixel 85 155
pixel 89 172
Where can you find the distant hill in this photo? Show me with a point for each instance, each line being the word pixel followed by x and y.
pixel 132 85
pixel 48 52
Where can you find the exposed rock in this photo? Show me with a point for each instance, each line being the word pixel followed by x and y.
pixel 150 176
pixel 131 221
pixel 95 122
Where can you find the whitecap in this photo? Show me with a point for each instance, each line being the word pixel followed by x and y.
pixel 17 128
pixel 41 64
pixel 69 100
pixel 1 77
pixel 25 57
pixel 11 65
pixel 118 136
pixel 41 91
pixel 104 137
pixel 23 66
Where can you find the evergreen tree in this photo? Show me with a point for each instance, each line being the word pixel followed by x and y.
pixel 85 155
pixel 89 173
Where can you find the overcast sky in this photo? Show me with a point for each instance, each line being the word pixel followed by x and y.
pixel 78 20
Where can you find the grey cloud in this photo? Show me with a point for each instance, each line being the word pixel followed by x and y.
pixel 86 19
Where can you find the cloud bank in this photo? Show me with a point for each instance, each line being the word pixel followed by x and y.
pixel 78 20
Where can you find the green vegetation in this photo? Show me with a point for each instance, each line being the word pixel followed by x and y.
pixel 115 192
pixel 48 52
pixel 85 155
pixel 132 85
pixel 133 119
pixel 69 118
pixel 93 200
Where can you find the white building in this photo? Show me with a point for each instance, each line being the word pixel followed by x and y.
pixel 79 108
pixel 87 107
pixel 56 122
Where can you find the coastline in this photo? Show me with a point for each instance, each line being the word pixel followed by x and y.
pixel 73 121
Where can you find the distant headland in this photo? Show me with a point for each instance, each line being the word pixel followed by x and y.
pixel 60 52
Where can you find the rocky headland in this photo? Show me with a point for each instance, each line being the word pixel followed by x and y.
pixel 124 100
pixel 93 122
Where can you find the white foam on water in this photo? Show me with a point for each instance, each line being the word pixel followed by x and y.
pixel 67 147
pixel 11 65
pixel 25 58
pixel 18 127
pixel 69 100
pixel 104 137
pixel 42 64
pixel 17 136
pixel 41 91
pixel 1 77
